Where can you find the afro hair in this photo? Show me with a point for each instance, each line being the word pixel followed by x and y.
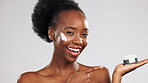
pixel 46 13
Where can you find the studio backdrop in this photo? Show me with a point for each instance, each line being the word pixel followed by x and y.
pixel 117 28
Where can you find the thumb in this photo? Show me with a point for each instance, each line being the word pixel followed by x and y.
pixel 92 69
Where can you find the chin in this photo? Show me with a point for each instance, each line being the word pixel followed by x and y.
pixel 71 60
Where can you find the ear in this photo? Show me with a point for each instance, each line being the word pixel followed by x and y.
pixel 51 33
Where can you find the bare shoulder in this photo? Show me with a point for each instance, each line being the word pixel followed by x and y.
pixel 101 75
pixel 28 77
pixel 102 72
pixel 102 69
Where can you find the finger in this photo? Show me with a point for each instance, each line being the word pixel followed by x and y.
pixel 140 63
pixel 92 69
pixel 136 65
pixel 88 76
pixel 88 80
pixel 144 61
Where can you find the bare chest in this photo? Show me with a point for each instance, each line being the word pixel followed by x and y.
pixel 55 80
pixel 51 80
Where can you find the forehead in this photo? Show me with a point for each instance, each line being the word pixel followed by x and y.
pixel 72 18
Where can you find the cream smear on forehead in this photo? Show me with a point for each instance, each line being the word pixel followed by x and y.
pixel 63 37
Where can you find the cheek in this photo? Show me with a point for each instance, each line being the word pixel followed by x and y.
pixel 63 37
pixel 85 42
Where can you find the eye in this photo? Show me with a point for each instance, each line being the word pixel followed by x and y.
pixel 85 34
pixel 70 33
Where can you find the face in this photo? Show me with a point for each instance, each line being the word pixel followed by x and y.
pixel 70 36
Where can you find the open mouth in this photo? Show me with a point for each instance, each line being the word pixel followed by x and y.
pixel 73 51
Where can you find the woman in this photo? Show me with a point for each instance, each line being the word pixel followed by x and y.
pixel 64 24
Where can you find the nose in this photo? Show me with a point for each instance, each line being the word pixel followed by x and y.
pixel 78 40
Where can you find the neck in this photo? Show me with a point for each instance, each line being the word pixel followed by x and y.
pixel 59 66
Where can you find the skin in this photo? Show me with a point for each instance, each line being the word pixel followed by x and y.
pixel 63 67
pixel 120 70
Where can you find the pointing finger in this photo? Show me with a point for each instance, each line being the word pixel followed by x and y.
pixel 89 70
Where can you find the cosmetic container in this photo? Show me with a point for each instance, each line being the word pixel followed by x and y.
pixel 129 59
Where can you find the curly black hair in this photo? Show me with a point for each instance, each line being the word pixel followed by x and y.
pixel 46 13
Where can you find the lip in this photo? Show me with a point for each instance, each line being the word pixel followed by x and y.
pixel 74 51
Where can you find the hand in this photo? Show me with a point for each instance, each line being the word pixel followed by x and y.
pixel 124 69
pixel 82 76
pixel 121 70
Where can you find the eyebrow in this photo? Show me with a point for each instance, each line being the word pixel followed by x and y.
pixel 70 28
pixel 73 28
pixel 85 29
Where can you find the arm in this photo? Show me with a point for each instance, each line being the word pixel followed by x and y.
pixel 121 70
pixel 116 78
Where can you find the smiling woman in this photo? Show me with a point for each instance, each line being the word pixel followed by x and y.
pixel 64 24
pixel 69 27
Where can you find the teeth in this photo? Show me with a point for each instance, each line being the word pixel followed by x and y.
pixel 74 49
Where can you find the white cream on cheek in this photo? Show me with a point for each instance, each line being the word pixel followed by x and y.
pixel 63 37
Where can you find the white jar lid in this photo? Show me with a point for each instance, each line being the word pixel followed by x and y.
pixel 129 59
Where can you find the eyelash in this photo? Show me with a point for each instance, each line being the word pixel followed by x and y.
pixel 72 33
pixel 85 34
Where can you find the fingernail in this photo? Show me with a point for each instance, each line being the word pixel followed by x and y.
pixel 101 67
pixel 95 68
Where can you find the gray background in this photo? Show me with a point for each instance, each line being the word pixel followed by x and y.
pixel 117 28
